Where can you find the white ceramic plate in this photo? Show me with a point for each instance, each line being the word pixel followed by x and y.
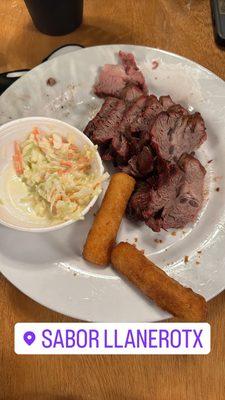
pixel 49 267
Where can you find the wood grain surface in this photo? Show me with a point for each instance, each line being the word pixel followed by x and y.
pixel 181 26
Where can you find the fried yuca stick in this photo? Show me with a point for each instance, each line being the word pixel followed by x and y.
pixel 157 285
pixel 102 235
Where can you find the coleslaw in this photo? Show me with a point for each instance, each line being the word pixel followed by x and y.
pixel 58 175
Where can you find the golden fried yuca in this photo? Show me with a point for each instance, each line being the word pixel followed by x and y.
pixel 102 235
pixel 167 293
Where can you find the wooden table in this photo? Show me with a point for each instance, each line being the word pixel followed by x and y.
pixel 180 26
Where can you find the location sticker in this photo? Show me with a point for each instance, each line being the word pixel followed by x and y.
pixel 29 337
pixel 112 338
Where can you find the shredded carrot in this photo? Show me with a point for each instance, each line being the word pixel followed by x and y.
pixel 17 165
pixel 64 171
pixel 17 148
pixel 18 159
pixel 59 197
pixel 66 163
pixel 73 147
pixel 36 134
pixel 67 171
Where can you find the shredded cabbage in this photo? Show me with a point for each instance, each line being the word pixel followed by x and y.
pixel 58 175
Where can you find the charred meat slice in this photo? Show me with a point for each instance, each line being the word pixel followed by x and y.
pixel 139 201
pixel 141 165
pixel 152 108
pixel 176 201
pixel 131 93
pixel 166 102
pixel 166 192
pixel 147 202
pixel 114 79
pixel 145 161
pixel 174 134
pixel 131 167
pixel 111 81
pixel 177 110
pixel 135 76
pixel 132 113
pixel 107 127
pixel 104 111
pixel 189 202
pixel 106 153
pixel 120 148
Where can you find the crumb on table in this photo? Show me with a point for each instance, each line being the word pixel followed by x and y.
pixel 174 233
pixel 135 239
pixel 199 252
pixel 186 259
pixel 197 263
pixel 217 189
pixel 210 161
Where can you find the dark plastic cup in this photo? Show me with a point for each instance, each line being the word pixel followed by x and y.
pixel 56 17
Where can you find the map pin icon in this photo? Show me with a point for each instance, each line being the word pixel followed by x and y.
pixel 29 337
